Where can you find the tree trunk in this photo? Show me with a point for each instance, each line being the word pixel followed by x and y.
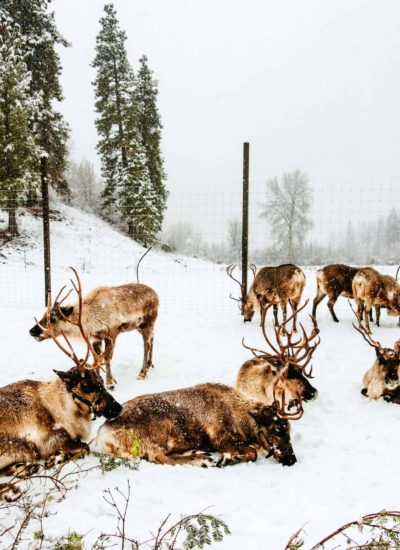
pixel 12 222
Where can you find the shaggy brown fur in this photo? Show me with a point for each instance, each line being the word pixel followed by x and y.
pixel 190 425
pixel 257 378
pixel 333 281
pixel 276 285
pixel 372 289
pixel 40 419
pixel 382 379
pixel 106 312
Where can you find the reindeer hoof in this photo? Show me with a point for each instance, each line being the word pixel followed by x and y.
pixel 141 376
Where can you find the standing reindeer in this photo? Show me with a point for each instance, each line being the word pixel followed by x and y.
pixel 372 289
pixel 333 281
pixel 42 419
pixel 382 379
pixel 274 285
pixel 280 375
pixel 106 313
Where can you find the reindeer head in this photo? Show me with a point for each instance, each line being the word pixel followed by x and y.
pixel 56 320
pixel 384 373
pixel 82 381
pixel 87 389
pixel 274 435
pixel 245 304
pixel 284 378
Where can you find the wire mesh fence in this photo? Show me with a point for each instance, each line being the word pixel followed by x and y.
pixel 355 222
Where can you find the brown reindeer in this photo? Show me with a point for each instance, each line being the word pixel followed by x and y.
pixel 333 281
pixel 106 313
pixel 280 373
pixel 204 425
pixel 372 289
pixel 382 379
pixel 278 286
pixel 41 419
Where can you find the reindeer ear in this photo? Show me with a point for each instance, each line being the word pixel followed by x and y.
pixel 66 310
pixel 65 377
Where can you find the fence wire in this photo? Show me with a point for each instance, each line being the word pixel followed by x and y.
pixel 354 222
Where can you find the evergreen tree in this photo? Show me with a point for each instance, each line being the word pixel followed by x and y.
pixel 18 149
pixel 39 36
pixel 128 192
pixel 149 125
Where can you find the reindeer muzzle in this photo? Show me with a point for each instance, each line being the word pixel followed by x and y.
pixel 37 333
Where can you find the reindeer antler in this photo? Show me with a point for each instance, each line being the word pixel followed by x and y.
pixel 230 269
pixel 287 351
pixel 82 364
pixel 365 333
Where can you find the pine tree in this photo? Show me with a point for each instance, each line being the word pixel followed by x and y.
pixel 18 149
pixel 128 192
pixel 39 37
pixel 149 125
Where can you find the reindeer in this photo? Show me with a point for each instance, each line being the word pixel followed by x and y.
pixel 372 289
pixel 282 370
pixel 274 285
pixel 382 379
pixel 204 425
pixel 106 313
pixel 41 419
pixel 333 281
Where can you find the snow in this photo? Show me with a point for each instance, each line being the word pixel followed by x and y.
pixel 346 446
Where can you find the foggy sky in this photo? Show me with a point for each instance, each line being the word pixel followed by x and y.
pixel 310 84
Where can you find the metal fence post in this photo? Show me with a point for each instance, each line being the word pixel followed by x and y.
pixel 245 221
pixel 46 226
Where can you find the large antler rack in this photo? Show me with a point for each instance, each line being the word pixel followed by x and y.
pixel 230 269
pixel 286 351
pixel 365 332
pixel 82 364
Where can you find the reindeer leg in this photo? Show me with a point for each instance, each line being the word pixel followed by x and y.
pixel 18 457
pixel 233 454
pixel 317 300
pixel 109 352
pixel 331 302
pixel 367 309
pixel 147 335
pixel 275 307
pixel 60 447
pixel 284 315
pixel 377 314
pixel 294 304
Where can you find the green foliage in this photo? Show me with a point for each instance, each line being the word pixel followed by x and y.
pixel 202 530
pixel 39 38
pixel 128 126
pixel 378 531
pixel 108 463
pixel 18 149
pixel 72 541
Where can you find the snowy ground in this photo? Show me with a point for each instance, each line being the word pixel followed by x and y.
pixel 346 446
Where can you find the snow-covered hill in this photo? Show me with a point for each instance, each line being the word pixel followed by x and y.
pixel 346 446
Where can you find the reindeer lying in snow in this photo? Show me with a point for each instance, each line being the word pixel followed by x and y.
pixel 106 312
pixel 41 419
pixel 280 375
pixel 214 424
pixel 382 379
pixel 273 285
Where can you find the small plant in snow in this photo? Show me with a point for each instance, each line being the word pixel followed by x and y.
pixel 378 531
pixel 108 463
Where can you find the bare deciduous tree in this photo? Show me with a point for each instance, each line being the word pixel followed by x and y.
pixel 287 210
